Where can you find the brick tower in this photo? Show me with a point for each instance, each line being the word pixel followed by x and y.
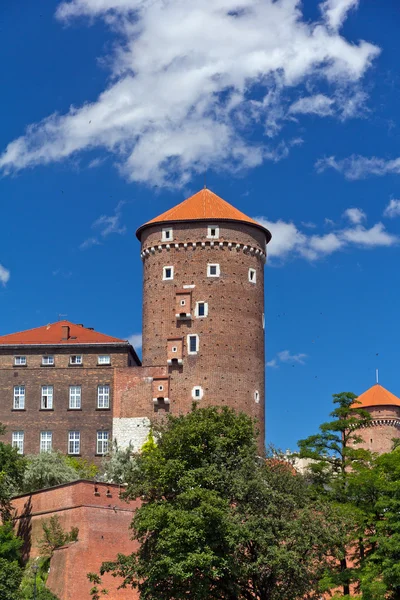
pixel 203 306
pixel 384 427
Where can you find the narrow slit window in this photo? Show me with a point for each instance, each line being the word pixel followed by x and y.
pixel 193 344
pixel 201 309
pixel 167 234
pixel 213 232
pixel 252 275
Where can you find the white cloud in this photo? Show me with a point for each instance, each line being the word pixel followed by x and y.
pixel 355 215
pixel 289 242
pixel 135 340
pixel 359 167
pixel 286 356
pixel 186 81
pixel 335 11
pixel 318 105
pixel 272 363
pixel 392 209
pixel 4 275
pixel 106 225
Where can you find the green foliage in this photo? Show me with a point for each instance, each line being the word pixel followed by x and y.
pixel 217 523
pixel 10 544
pixel 95 592
pixel 119 465
pixel 84 468
pixel 46 470
pixel 10 579
pixel 55 537
pixel 26 590
pixel 12 467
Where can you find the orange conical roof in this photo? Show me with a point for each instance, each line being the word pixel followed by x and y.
pixel 203 206
pixel 376 396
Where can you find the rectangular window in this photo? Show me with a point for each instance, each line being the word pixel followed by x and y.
pixel 167 234
pixel 201 309
pixel 102 442
pixel 104 359
pixel 103 396
pixel 213 232
pixel 47 397
pixel 47 361
pixel 75 396
pixel 193 344
pixel 252 275
pixel 74 442
pixel 168 273
pixel 213 270
pixel 76 359
pixel 19 397
pixel 18 441
pixel 20 361
pixel 46 441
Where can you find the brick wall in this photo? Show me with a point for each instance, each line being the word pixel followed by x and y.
pixel 385 427
pixel 103 520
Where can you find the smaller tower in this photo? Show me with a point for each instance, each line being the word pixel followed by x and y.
pixel 384 408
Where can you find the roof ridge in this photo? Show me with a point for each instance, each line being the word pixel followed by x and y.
pixel 32 328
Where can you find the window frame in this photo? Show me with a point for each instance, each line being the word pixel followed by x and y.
pixel 198 316
pixel 45 437
pixel 218 270
pixel 254 273
pixel 74 437
pixel 20 364
pixel 104 356
pixel 51 395
pixel 256 396
pixel 75 396
pixel 18 443
pixel 193 335
pixel 100 443
pixel 165 278
pixel 75 363
pixel 164 232
pixel 197 388
pixel 19 395
pixel 105 396
pixel 210 236
pixel 45 358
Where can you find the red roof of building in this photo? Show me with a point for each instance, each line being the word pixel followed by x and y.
pixel 57 333
pixel 376 396
pixel 203 206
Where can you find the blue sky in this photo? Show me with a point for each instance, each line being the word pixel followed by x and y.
pixel 113 110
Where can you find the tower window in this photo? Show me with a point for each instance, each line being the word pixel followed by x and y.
pixel 213 270
pixel 193 344
pixel 168 273
pixel 252 275
pixel 201 309
pixel 174 349
pixel 167 234
pixel 160 388
pixel 183 302
pixel 213 232
pixel 197 393
pixel 257 396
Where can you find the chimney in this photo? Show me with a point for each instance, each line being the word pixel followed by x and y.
pixel 65 332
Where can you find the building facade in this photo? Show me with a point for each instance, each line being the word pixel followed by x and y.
pixel 69 388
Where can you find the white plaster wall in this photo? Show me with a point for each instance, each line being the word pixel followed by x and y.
pixel 131 430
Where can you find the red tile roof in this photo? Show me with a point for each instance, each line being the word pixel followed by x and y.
pixel 54 334
pixel 203 206
pixel 376 396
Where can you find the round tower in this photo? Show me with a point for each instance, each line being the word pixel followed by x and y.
pixel 203 306
pixel 384 427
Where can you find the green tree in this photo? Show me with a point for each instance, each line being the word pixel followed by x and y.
pixel 336 460
pixel 46 470
pixel 217 523
pixel 12 466
pixel 83 468
pixel 10 562
pixel 54 536
pixel 119 465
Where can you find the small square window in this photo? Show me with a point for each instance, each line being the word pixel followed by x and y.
pixel 20 361
pixel 213 232
pixel 201 309
pixel 252 275
pixel 167 234
pixel 47 361
pixel 213 270
pixel 168 273
pixel 76 359
pixel 104 359
pixel 18 441
pixel 197 393
pixel 193 344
